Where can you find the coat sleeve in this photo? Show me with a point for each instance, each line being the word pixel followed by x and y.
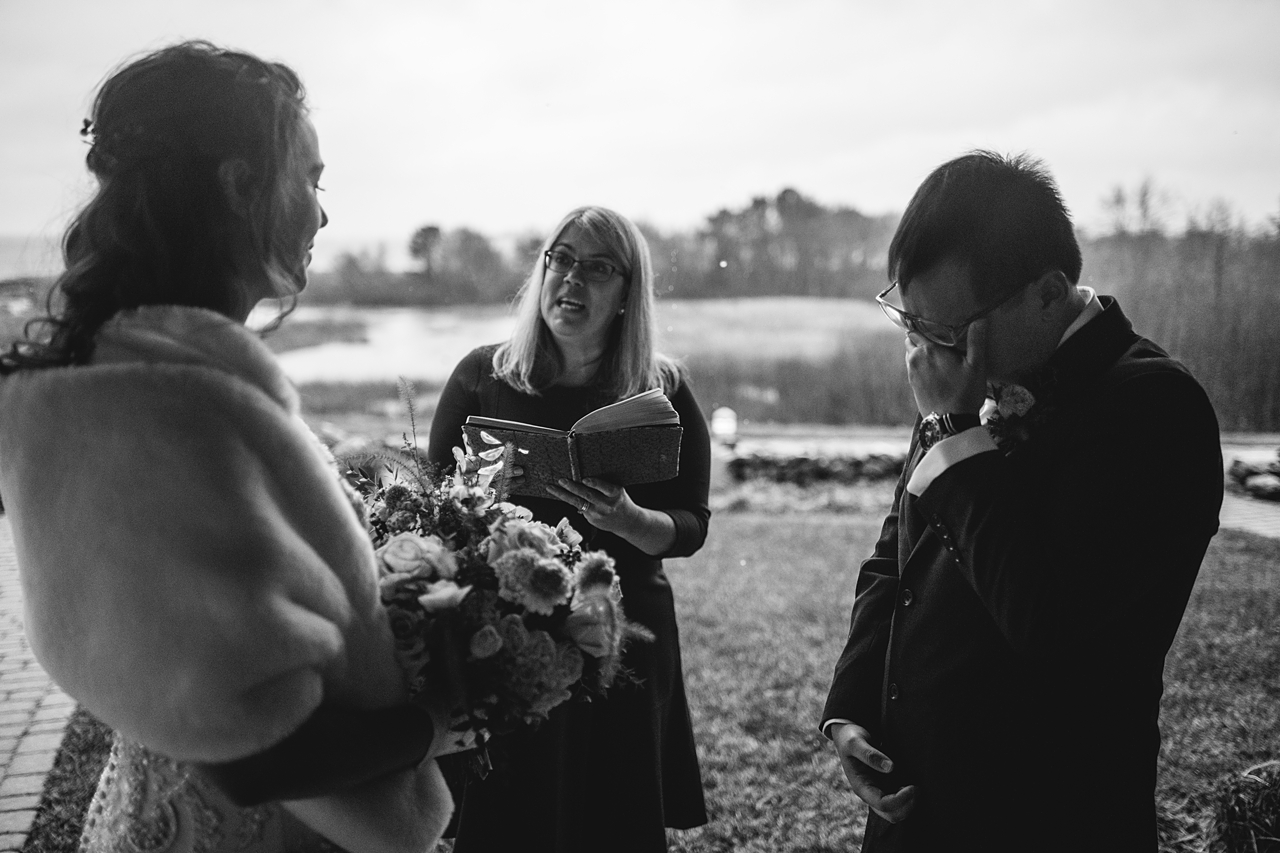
pixel 856 686
pixel 1108 559
pixel 193 573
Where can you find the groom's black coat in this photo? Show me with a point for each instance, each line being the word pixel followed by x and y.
pixel 1008 636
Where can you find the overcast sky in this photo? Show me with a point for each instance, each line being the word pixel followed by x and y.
pixel 502 115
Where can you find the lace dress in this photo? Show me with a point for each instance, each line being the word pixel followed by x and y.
pixel 147 803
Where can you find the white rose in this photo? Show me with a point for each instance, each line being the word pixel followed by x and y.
pixel 419 556
pixel 442 595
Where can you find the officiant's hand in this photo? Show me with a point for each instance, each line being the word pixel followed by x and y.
pixel 607 506
pixel 949 379
pixel 865 768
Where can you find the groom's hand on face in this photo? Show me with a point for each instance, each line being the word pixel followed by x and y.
pixel 949 379
pixel 865 767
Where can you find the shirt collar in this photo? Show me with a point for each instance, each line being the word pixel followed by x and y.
pixel 1092 308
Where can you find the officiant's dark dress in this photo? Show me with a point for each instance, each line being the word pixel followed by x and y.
pixel 607 774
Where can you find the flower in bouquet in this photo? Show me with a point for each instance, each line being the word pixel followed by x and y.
pixel 536 583
pixel 472 476
pixel 442 595
pixel 418 556
pixel 567 535
pixel 596 573
pixel 485 643
pixel 411 644
pixel 596 621
pixel 592 625
pixel 539 671
pixel 517 534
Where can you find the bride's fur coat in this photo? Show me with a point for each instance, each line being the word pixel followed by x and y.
pixel 194 574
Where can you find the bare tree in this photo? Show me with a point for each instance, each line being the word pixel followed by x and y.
pixel 1117 207
pixel 1150 203
pixel 422 247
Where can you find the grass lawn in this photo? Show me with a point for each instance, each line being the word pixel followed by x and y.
pixel 763 612
pixel 764 609
pixel 1221 709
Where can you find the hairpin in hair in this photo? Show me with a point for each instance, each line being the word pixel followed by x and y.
pixel 87 128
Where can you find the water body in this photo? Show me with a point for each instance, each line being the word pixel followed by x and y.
pixel 418 344
pixel 29 256
pixel 425 343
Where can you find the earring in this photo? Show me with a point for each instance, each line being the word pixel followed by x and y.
pixel 622 310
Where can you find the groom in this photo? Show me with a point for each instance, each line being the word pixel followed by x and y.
pixel 1000 687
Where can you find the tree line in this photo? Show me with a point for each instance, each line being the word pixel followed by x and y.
pixel 1211 297
pixel 784 245
pixel 1209 293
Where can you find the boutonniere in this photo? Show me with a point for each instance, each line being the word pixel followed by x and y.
pixel 1011 415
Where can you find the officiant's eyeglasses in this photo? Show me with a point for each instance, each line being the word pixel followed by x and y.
pixel 942 334
pixel 593 269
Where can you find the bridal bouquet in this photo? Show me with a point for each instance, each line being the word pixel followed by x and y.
pixel 509 611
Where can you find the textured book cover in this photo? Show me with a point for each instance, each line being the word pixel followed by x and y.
pixel 626 456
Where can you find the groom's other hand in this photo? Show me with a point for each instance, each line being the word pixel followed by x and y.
pixel 865 768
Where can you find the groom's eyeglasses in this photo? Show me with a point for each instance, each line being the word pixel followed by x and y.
pixel 592 269
pixel 942 334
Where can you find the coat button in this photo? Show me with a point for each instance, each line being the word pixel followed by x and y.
pixel 893 690
pixel 907 598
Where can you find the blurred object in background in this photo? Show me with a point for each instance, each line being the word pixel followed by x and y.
pixel 724 426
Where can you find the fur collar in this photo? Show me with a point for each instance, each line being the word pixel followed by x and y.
pixel 174 334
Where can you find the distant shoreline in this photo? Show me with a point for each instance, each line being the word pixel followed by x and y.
pixel 24 257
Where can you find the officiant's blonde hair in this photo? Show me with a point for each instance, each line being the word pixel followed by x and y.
pixel 530 360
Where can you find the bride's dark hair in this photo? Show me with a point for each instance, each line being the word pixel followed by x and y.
pixel 160 229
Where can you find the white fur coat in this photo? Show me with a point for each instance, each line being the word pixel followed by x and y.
pixel 194 574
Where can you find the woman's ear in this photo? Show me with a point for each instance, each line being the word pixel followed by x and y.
pixel 233 178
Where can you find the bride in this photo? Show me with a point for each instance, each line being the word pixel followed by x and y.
pixel 195 575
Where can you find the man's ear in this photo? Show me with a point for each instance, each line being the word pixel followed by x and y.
pixel 1052 287
pixel 233 178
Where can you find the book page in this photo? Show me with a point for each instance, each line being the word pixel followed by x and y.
pixel 648 408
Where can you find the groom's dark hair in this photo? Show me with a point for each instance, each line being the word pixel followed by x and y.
pixel 1000 216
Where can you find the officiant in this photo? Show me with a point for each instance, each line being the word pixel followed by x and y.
pixel 612 773
pixel 1000 686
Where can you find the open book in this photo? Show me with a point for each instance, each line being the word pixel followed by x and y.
pixel 636 440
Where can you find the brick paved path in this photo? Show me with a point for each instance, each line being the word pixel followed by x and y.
pixel 33 712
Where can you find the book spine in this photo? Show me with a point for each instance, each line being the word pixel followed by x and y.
pixel 575 466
